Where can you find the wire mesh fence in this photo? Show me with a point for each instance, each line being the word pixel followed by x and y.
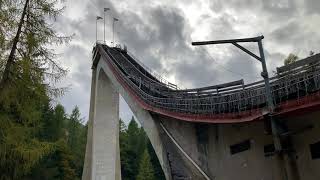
pixel 294 83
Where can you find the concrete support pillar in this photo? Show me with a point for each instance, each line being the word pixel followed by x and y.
pixel 103 152
pixel 102 160
pixel 152 129
pixel 88 156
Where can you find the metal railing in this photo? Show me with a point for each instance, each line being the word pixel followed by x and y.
pixel 153 73
pixel 233 99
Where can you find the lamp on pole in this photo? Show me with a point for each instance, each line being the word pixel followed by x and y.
pixel 114 20
pixel 104 23
pixel 97 19
pixel 264 74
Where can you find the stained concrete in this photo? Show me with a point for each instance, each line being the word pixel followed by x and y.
pixel 86 174
pixel 107 133
pixel 213 154
pixel 208 145
pixel 308 168
pixel 105 130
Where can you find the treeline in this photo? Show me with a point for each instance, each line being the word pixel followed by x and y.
pixel 37 140
pixel 52 148
pixel 138 159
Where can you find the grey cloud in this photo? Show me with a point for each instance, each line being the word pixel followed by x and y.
pixel 294 33
pixel 222 26
pixel 270 9
pixel 287 33
pixel 166 31
pixel 312 6
pixel 161 35
pixel 171 25
pixel 78 79
pixel 282 8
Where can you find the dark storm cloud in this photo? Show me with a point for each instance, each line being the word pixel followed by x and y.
pixel 170 37
pixel 171 27
pixel 303 38
pixel 160 36
pixel 312 6
pixel 287 33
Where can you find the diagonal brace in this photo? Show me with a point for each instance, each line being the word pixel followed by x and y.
pixel 247 51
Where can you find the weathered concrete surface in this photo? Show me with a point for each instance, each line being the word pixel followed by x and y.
pixel 250 164
pixel 208 145
pixel 105 128
pixel 149 124
pixel 86 174
pixel 184 135
pixel 308 168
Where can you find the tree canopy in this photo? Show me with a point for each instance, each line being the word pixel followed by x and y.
pixel 290 59
pixel 35 135
pixel 138 159
pixel 38 139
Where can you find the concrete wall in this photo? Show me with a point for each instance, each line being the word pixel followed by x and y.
pixel 208 145
pixel 86 174
pixel 308 168
pixel 250 164
pixel 211 150
pixel 106 131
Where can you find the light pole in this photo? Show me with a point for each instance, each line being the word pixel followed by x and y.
pixel 264 74
pixel 104 24
pixel 97 19
pixel 114 20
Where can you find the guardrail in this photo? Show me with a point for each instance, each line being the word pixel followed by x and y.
pixel 153 73
pixel 232 99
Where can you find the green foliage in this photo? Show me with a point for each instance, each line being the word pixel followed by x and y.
pixel 290 59
pixel 146 169
pixel 37 141
pixel 21 120
pixel 137 155
pixel 76 138
pixel 49 154
pixel 158 173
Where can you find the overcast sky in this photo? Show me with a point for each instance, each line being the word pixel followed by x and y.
pixel 160 33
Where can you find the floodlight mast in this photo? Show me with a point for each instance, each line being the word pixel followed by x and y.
pixel 264 74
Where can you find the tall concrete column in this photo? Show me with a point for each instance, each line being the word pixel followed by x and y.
pixel 150 125
pixel 88 156
pixel 102 160
pixel 103 152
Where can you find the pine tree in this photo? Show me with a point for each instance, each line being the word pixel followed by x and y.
pixel 76 138
pixel 26 67
pixel 145 169
pixel 124 152
pixel 291 59
pixel 65 162
pixel 158 173
pixel 30 41
pixel 132 154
